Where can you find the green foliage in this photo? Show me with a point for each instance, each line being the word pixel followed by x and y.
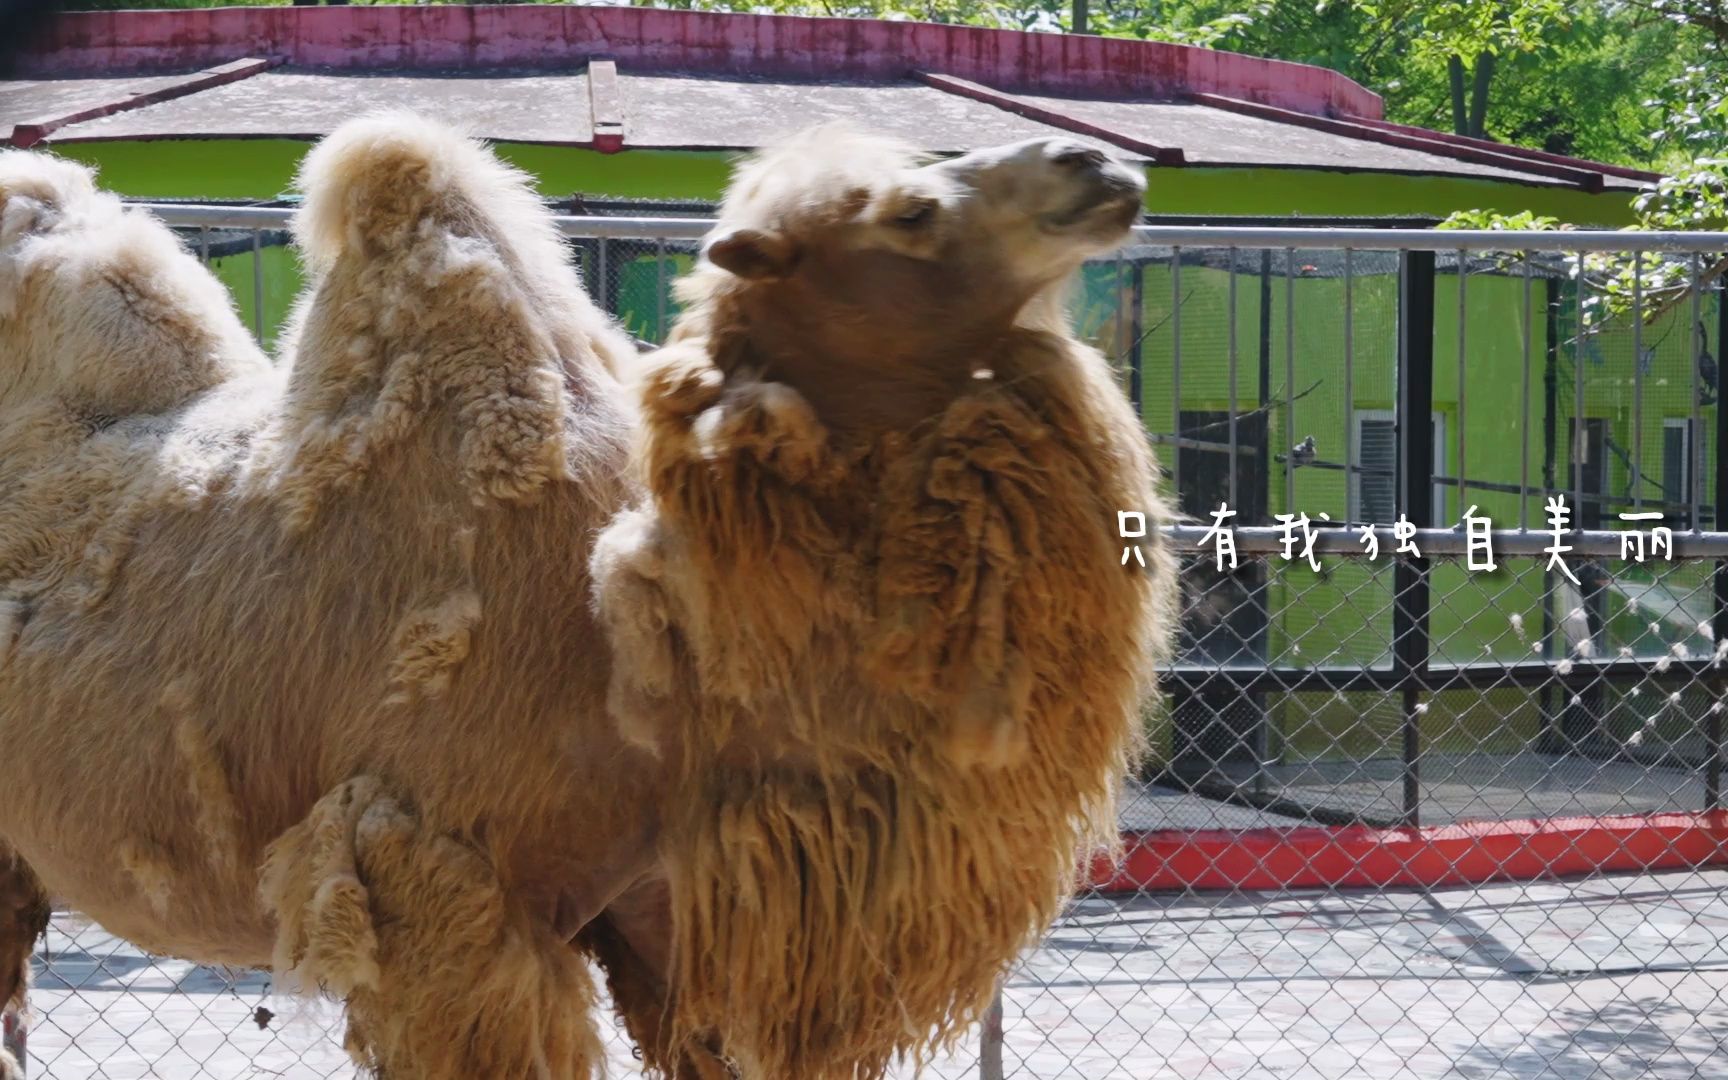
pixel 1441 29
pixel 1488 219
pixel 1466 39
pixel 1689 123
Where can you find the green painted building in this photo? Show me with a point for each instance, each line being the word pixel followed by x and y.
pixel 630 110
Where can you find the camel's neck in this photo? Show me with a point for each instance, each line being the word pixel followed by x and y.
pixel 859 402
pixel 862 378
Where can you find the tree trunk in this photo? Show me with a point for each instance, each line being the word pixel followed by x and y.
pixel 1082 16
pixel 1455 74
pixel 1485 63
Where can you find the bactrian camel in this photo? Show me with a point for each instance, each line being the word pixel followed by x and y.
pixel 391 667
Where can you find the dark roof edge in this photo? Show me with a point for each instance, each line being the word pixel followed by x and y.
pixel 31 132
pixel 948 84
pixel 1586 175
pixel 1624 172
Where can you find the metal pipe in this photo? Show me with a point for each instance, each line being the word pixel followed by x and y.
pixel 660 288
pixel 1638 381
pixel 279 217
pixel 1176 371
pixel 603 280
pixel 258 285
pixel 1118 339
pixel 1230 468
pixel 1137 339
pixel 1582 676
pixel 1523 413
pixel 1415 457
pixel 1713 721
pixel 1579 434
pixel 1463 461
pixel 1444 482
pixel 1349 379
pixel 990 1041
pixel 1290 379
pixel 687 228
pixel 1695 384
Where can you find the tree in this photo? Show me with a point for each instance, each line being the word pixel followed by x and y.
pixel 1585 92
pixel 1689 117
pixel 1468 37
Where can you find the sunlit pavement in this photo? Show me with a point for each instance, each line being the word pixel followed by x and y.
pixel 1565 980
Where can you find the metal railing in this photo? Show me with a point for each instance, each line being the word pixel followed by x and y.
pixel 204 215
pixel 1402 815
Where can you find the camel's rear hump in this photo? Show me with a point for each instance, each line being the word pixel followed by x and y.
pixel 101 307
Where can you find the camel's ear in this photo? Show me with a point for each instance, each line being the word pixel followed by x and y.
pixel 751 253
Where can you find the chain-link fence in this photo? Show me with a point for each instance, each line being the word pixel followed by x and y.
pixel 1404 814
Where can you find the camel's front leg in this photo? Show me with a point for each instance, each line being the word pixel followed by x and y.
pixel 446 976
pixel 23 918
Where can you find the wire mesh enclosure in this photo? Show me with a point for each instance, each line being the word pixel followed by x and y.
pixel 1435 789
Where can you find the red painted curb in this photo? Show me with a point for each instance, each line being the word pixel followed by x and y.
pixel 34 131
pixel 1362 857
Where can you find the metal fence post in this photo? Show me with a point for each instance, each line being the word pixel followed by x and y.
pixel 1415 501
pixel 258 284
pixel 1136 338
pixel 1713 716
pixel 990 1043
pixel 602 288
pixel 1554 737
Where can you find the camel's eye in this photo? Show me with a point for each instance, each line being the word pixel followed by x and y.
pixel 916 215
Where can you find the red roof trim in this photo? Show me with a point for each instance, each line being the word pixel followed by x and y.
pixel 1588 179
pixel 1623 171
pixel 32 132
pixel 1161 155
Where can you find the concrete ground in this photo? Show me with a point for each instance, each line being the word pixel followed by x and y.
pixel 1616 978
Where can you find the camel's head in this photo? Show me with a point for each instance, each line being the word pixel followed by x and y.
pixel 875 282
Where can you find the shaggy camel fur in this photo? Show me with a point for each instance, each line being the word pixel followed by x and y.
pixel 875 616
pixel 328 618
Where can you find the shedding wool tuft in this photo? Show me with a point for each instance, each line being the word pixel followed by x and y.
pixel 445 976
